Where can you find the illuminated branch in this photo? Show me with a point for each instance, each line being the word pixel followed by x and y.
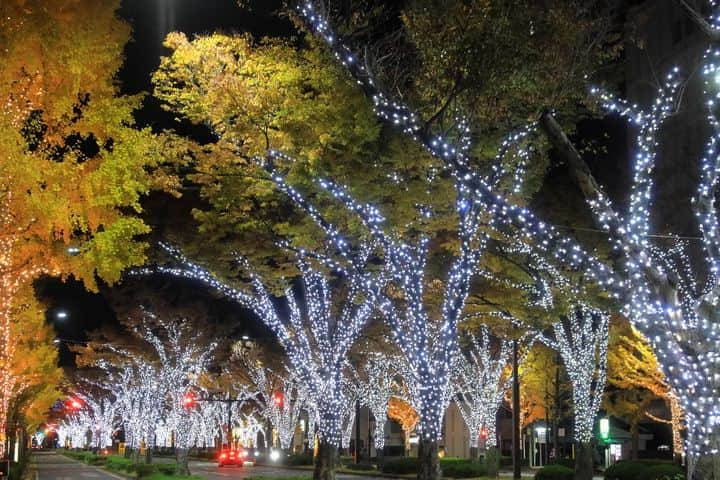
pixel 581 338
pixel 375 388
pixel 481 382
pixel 680 323
pixel 315 338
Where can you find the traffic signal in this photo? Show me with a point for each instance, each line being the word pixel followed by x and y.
pixel 483 433
pixel 73 404
pixel 189 400
pixel 278 399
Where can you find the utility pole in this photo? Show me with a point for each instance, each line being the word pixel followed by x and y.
pixel 357 432
pixel 556 416
pixel 516 414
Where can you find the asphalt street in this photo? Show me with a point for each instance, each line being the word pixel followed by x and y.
pixel 48 465
pixel 211 471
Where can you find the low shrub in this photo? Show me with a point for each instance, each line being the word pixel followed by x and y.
pixel 92 459
pixel 117 463
pixel 145 470
pixel 555 472
pixel 362 467
pixel 507 462
pixel 400 466
pixel 302 459
pixel 462 468
pixel 663 471
pixel 565 462
pixel 625 470
pixel 166 468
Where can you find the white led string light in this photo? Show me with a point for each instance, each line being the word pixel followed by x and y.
pixel 279 399
pixel 581 339
pixel 481 382
pixel 316 339
pixel 148 393
pixel 685 339
pixel 375 385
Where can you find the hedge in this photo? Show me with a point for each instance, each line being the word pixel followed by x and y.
pixel 462 468
pixel 643 470
pixel 555 472
pixel 451 467
pixel 301 459
pixel 116 463
pixel 362 467
pixel 400 466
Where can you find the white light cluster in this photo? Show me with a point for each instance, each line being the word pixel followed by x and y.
pixel 581 338
pixel 267 385
pixel 147 390
pixel 681 325
pixel 15 273
pixel 375 385
pixel 481 382
pixel 482 192
pixel 315 338
pixel 350 397
pixel 428 346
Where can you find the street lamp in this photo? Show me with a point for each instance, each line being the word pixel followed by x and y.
pixel 61 314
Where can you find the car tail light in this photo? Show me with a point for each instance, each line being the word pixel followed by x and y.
pixel 222 455
pixel 232 454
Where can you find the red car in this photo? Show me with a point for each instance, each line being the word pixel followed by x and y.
pixel 231 457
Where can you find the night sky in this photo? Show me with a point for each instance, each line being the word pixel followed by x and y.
pixel 151 20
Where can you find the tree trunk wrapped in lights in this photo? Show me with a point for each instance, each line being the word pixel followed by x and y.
pixel 428 346
pixel 150 390
pixel 482 382
pixel 581 338
pixel 376 385
pixel 315 338
pixel 279 398
pixel 664 304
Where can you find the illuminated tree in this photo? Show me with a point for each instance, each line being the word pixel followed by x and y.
pixel 316 338
pixel 14 276
pixel 428 346
pixel 279 399
pixel 349 412
pixel 150 386
pixel 650 281
pixel 481 381
pixel 633 366
pixel 402 412
pixel 581 339
pixel 73 164
pixel 102 416
pixel 376 384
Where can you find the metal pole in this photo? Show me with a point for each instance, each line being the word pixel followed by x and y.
pixel 516 414
pixel 357 432
pixel 229 423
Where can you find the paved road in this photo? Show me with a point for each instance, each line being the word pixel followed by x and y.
pixel 48 465
pixel 212 472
